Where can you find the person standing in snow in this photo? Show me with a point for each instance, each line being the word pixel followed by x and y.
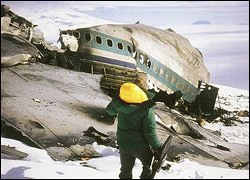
pixel 136 129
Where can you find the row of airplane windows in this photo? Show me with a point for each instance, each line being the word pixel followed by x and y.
pixel 143 59
pixel 109 42
pixel 99 40
pixel 159 36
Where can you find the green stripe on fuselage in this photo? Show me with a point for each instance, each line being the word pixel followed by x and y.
pixel 168 83
pixel 104 46
pixel 186 95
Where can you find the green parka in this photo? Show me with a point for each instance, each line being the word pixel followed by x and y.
pixel 136 124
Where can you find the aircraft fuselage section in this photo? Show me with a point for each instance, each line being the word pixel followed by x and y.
pixel 170 61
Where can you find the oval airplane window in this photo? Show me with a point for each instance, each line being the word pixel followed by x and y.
pixel 155 67
pixel 120 46
pixel 178 84
pixel 188 90
pixel 134 55
pixel 129 49
pixel 76 34
pixel 98 39
pixel 148 63
pixel 141 59
pixel 162 71
pixel 183 87
pixel 193 93
pixel 173 80
pixel 109 42
pixel 167 76
pixel 87 36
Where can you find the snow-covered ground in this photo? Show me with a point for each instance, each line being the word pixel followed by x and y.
pixel 232 99
pixel 39 165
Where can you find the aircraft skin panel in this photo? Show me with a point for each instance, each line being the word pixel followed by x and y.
pixel 174 81
pixel 190 62
pixel 175 63
pixel 107 60
pixel 108 57
pixel 146 39
pixel 177 46
pixel 143 43
pixel 182 68
pixel 156 37
pixel 183 141
pixel 53 108
pixel 107 43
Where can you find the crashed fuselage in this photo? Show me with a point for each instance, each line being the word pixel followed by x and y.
pixel 170 61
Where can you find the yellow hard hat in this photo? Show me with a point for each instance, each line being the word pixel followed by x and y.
pixel 131 93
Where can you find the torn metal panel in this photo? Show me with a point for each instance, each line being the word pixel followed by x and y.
pixel 13 44
pixel 169 60
pixel 56 107
pixel 15 24
pixel 8 152
pixel 17 50
pixel 193 141
pixel 53 107
pixel 16 36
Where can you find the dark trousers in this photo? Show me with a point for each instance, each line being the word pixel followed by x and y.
pixel 127 158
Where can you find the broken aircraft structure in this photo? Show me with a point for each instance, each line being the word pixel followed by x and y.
pixel 54 107
pixel 168 59
pixel 17 37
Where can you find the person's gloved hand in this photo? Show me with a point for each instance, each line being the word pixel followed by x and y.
pixel 148 104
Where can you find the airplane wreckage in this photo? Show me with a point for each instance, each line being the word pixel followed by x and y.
pixel 62 110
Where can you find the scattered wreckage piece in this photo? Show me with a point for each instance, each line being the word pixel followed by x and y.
pixel 169 60
pixel 8 152
pixel 64 112
pixel 15 24
pixel 121 52
pixel 69 103
pixel 108 139
pixel 17 50
pixel 193 141
pixel 17 39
